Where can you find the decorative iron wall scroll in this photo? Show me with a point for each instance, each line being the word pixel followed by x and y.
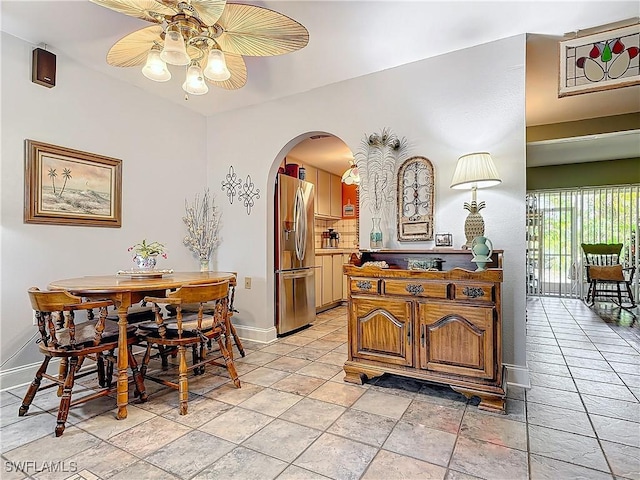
pixel 249 194
pixel 231 184
pixel 601 61
pixel 415 200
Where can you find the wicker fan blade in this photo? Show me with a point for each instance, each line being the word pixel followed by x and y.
pixel 145 9
pixel 259 32
pixel 235 64
pixel 209 11
pixel 132 50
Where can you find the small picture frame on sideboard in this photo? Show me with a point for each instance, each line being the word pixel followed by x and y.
pixel 444 240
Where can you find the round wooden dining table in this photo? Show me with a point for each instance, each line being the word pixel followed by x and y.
pixel 126 290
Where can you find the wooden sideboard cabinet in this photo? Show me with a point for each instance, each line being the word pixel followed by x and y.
pixel 439 326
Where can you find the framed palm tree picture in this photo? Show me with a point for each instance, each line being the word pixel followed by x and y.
pixel 70 187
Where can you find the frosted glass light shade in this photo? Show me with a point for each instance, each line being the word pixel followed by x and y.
pixel 351 176
pixel 475 170
pixel 174 51
pixel 216 69
pixel 195 84
pixel 155 69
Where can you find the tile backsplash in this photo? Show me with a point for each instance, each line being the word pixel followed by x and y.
pixel 348 229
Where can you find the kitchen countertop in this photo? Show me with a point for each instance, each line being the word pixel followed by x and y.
pixel 334 251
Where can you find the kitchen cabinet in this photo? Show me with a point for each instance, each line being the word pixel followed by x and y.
pixel 328 195
pixel 345 289
pixel 318 278
pixel 329 280
pixel 335 209
pixel 440 326
pixel 336 285
pixel 311 176
pixel 323 195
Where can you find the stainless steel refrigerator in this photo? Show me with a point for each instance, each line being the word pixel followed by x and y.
pixel 294 259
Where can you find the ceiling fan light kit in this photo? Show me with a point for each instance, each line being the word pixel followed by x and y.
pixel 217 70
pixel 155 68
pixel 209 37
pixel 195 84
pixel 175 50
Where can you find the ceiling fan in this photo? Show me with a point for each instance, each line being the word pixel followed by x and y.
pixel 209 37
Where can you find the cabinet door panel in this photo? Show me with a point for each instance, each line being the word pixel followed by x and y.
pixel 318 278
pixel 458 341
pixel 345 283
pixel 312 177
pixel 327 279
pixel 336 196
pixel 323 193
pixel 337 277
pixel 381 330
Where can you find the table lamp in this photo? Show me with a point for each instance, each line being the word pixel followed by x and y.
pixel 473 171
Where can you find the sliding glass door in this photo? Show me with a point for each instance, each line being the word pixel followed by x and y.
pixel 558 221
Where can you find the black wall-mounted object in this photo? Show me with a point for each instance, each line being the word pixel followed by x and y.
pixel 43 68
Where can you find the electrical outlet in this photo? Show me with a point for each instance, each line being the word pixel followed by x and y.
pixel 247 283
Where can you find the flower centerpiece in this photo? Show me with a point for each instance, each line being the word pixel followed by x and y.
pixel 146 254
pixel 377 162
pixel 203 226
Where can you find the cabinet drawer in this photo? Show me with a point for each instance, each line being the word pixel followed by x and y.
pixel 416 288
pixel 365 285
pixel 474 291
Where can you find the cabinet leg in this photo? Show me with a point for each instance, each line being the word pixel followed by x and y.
pixel 489 402
pixel 359 374
pixel 493 404
pixel 355 377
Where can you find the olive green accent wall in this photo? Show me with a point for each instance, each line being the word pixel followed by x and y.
pixel 592 126
pixel 588 174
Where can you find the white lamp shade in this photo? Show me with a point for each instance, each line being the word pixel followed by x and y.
pixel 475 170
pixel 174 51
pixel 216 69
pixel 195 84
pixel 155 69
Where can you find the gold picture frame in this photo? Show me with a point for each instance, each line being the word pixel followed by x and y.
pixel 600 61
pixel 71 187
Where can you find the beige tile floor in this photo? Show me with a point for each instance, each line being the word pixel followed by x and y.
pixel 294 417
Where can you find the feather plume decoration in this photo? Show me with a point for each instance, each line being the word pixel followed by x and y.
pixel 377 162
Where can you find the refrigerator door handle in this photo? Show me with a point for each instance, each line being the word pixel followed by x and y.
pixel 300 220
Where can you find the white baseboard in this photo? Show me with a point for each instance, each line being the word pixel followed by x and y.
pixel 23 375
pixel 260 335
pixel 518 375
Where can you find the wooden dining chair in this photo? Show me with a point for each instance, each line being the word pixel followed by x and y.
pixel 61 336
pixel 230 329
pixel 606 276
pixel 194 330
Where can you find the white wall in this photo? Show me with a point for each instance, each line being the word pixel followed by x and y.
pixel 466 101
pixel 446 106
pixel 162 165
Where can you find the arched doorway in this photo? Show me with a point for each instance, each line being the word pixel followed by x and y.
pixel 311 166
